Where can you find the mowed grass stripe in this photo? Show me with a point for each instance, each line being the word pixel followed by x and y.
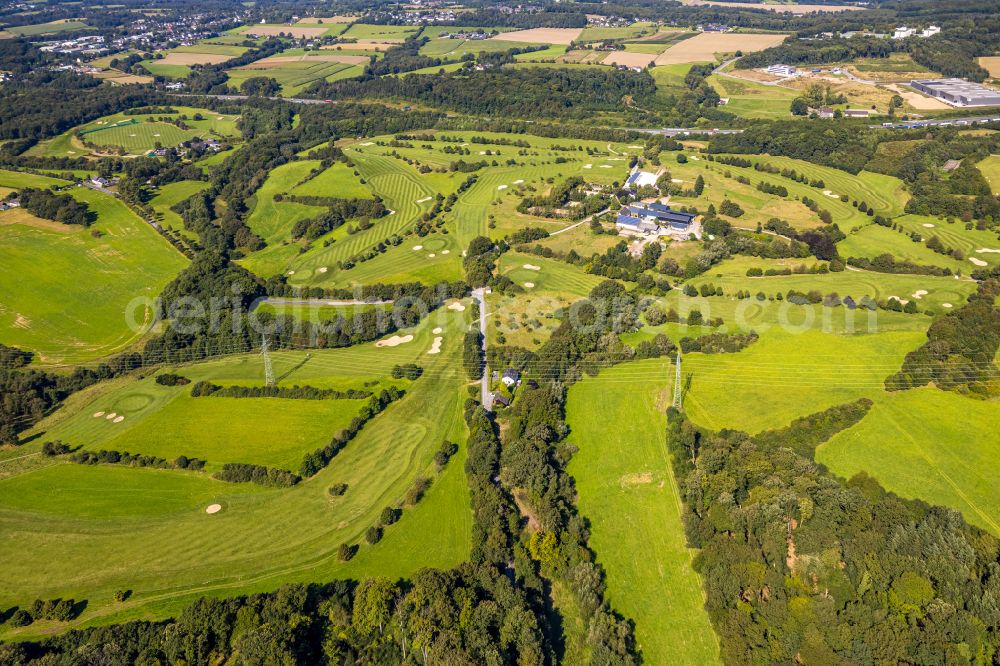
pixel 626 489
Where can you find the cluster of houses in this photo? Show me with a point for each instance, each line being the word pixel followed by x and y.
pixel 508 380
pixel 474 35
pixel 901 32
pixel 89 45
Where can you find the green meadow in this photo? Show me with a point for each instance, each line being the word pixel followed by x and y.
pixel 786 375
pixel 64 291
pixel 934 445
pixel 170 195
pixel 51 28
pixel 627 491
pixel 139 137
pixel 753 100
pixel 990 168
pixel 164 546
pixel 294 77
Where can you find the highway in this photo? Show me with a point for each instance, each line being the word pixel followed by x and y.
pixel 943 122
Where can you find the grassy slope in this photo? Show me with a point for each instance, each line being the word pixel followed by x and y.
pixel 170 195
pixel 627 491
pixel 935 445
pixel 72 306
pixel 990 167
pixel 170 553
pixel 786 375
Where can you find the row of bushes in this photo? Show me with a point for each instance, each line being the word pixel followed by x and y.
pixel 206 389
pixel 249 473
pixel 106 457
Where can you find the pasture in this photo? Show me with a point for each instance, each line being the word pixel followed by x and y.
pixel 170 195
pixel 627 491
pixel 64 292
pixel 750 99
pixel 934 445
pixel 263 537
pixel 384 33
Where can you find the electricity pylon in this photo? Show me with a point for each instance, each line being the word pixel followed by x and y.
pixel 268 370
pixel 677 382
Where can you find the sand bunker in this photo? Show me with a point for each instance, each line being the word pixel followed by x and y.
pixel 417 248
pixel 456 306
pixel 676 180
pixel 532 267
pixel 919 293
pixel 607 166
pixel 588 166
pixel 518 182
pixel 394 341
pixel 98 414
pixel 977 262
pixel 831 194
pixel 431 255
pixel 322 269
pixel 437 330
pixel 213 508
pixel 695 158
pixel 445 251
pixel 529 285
pixel 946 305
pixel 118 419
pixel 501 187
pixel 928 225
pixel 111 416
pixel 904 301
pixel 984 250
pixel 436 346
pixel 424 199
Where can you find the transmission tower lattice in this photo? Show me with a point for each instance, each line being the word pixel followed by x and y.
pixel 677 382
pixel 268 370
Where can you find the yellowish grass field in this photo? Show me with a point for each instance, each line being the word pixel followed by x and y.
pixel 542 35
pixel 121 78
pixel 918 101
pixel 297 32
pixel 991 64
pixel 705 46
pixel 313 20
pixel 363 45
pixel 184 58
pixel 629 59
pixel 788 9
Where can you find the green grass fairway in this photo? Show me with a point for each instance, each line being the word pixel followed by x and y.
pixel 171 194
pixel 335 181
pixel 990 168
pixel 627 490
pixel 167 422
pixel 139 137
pixel 731 276
pixel 785 375
pixel 874 240
pixel 983 245
pixel 171 552
pixel 64 293
pixel 935 445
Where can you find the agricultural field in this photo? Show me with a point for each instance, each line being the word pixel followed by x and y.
pixel 627 491
pixel 914 445
pixel 177 62
pixel 383 33
pixel 66 291
pixel 294 31
pixel 177 552
pixel 296 73
pixel 709 46
pixel 51 28
pixel 598 33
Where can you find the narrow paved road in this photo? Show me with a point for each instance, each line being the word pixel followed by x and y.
pixel 583 221
pixel 484 382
